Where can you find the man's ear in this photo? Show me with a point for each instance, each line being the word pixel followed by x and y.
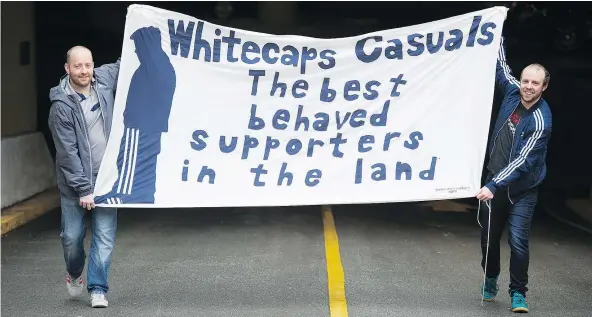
pixel 67 68
pixel 545 86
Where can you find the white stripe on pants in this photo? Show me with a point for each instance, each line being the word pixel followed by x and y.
pixel 130 156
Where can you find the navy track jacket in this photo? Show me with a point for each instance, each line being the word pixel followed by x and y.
pixel 527 167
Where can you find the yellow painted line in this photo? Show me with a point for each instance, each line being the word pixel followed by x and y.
pixel 9 222
pixel 28 210
pixel 337 302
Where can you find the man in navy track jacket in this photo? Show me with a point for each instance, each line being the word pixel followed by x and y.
pixel 517 166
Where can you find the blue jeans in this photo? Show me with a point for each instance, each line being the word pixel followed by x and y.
pixel 518 216
pixel 73 232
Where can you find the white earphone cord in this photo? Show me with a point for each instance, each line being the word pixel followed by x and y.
pixel 488 204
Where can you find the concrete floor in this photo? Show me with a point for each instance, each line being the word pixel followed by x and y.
pixel 398 260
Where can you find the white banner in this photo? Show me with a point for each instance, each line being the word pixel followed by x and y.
pixel 211 116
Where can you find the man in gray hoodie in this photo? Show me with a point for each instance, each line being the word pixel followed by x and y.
pixel 80 123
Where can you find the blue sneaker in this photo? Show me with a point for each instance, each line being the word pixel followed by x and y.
pixel 518 302
pixel 490 289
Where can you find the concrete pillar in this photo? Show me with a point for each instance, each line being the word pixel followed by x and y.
pixel 19 83
pixel 278 14
pixel 27 166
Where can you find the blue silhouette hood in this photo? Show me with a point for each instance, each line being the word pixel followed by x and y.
pixel 152 86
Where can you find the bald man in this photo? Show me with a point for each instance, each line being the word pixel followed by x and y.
pixel 516 168
pixel 80 122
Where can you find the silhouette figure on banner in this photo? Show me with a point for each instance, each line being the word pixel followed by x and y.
pixel 146 118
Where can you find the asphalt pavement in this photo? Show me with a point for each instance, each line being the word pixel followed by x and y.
pixel 398 260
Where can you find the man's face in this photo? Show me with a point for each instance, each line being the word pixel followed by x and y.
pixel 532 83
pixel 80 67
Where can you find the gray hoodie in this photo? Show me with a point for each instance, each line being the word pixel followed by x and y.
pixel 74 168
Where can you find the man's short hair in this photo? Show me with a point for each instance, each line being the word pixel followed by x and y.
pixel 541 67
pixel 69 53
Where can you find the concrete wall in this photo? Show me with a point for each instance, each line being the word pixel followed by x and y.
pixel 27 168
pixel 19 101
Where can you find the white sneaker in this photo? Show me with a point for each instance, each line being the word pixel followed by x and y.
pixel 75 286
pixel 98 300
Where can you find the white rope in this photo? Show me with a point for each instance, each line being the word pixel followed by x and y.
pixel 488 204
